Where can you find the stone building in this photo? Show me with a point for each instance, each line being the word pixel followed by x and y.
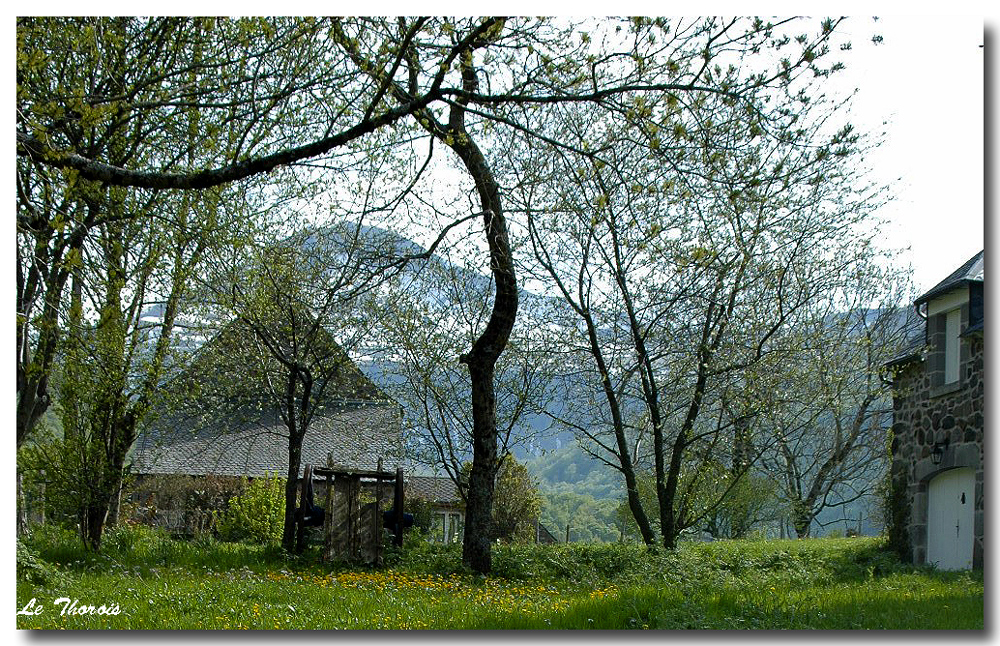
pixel 938 423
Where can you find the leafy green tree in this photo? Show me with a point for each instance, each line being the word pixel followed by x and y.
pixel 683 250
pixel 129 254
pixel 131 92
pixel 826 440
pixel 518 503
pixel 281 317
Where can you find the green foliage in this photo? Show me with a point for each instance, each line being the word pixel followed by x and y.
pixel 257 515
pixel 516 503
pixel 895 506
pixel 142 542
pixel 735 504
pixel 32 568
pixel 580 492
pixel 422 511
pixel 713 499
pixel 590 520
pixel 571 469
pixel 424 557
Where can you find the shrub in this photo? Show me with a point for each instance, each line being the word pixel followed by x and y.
pixel 137 542
pixel 56 543
pixel 32 568
pixel 256 515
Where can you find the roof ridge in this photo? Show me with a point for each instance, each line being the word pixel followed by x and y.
pixel 971 270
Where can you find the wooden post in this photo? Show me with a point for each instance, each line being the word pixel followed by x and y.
pixel 377 521
pixel 304 499
pixel 328 516
pixel 397 506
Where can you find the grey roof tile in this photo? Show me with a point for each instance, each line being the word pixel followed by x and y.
pixel 357 436
pixel 440 489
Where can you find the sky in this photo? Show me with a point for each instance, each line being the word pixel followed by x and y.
pixel 926 80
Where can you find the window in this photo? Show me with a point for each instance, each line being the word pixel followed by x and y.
pixel 447 527
pixel 945 317
pixel 952 329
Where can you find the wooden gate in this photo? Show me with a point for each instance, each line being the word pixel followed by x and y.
pixel 353 523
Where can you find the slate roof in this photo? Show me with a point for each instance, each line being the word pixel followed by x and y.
pixel 221 423
pixel 440 489
pixel 971 271
pixel 357 435
pixel 913 350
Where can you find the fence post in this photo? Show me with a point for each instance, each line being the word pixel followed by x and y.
pixel 397 506
pixel 377 521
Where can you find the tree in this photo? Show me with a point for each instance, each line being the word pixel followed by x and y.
pixel 353 81
pixel 427 318
pixel 683 250
pixel 115 352
pixel 829 431
pixel 130 254
pixel 279 308
pixel 518 503
pixel 130 92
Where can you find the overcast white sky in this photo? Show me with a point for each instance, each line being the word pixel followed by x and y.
pixel 926 80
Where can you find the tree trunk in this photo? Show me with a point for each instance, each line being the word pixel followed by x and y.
pixel 479 503
pixel 32 401
pixel 22 512
pixel 483 356
pixel 92 519
pixel 802 520
pixel 291 491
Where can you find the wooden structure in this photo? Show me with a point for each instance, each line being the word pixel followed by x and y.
pixel 355 502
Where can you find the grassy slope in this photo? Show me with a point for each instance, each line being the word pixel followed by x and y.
pixel 158 583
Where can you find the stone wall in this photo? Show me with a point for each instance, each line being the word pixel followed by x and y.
pixel 927 412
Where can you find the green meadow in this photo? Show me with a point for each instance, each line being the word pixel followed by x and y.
pixel 155 582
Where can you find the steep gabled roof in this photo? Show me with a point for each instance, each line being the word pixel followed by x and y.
pixel 221 422
pixel 971 271
pixel 225 356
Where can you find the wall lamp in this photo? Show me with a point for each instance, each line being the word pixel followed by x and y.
pixel 937 453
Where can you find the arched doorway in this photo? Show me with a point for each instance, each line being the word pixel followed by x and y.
pixel 950 519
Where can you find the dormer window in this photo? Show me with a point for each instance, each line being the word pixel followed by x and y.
pixel 953 310
pixel 947 317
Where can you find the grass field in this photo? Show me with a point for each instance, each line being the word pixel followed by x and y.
pixel 159 583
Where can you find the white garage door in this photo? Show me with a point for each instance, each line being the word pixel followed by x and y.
pixel 950 518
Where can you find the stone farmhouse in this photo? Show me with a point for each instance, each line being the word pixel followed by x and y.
pixel 938 424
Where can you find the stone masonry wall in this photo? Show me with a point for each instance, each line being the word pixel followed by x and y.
pixel 925 413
